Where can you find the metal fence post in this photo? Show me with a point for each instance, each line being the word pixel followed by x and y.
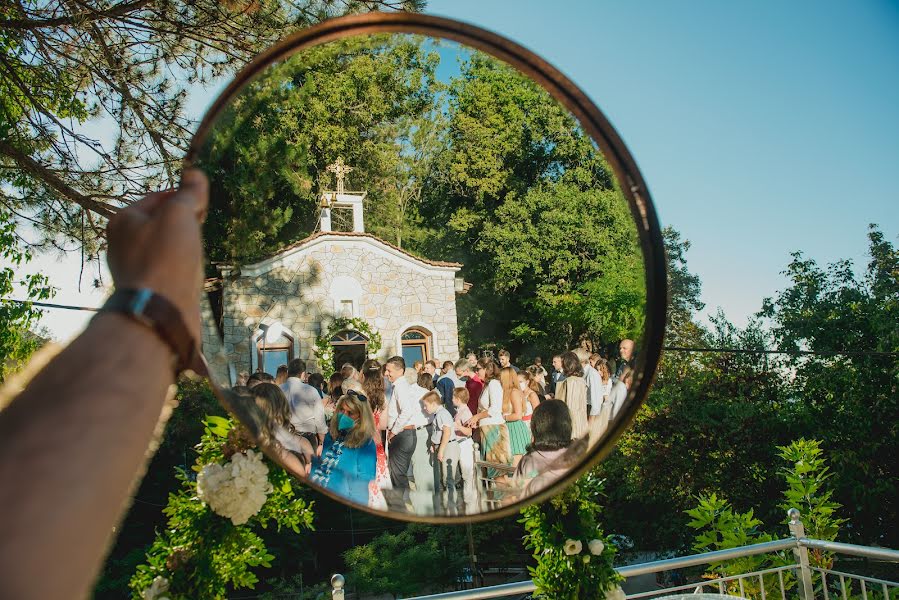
pixel 337 582
pixel 806 591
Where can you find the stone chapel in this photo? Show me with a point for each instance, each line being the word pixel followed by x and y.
pixel 274 310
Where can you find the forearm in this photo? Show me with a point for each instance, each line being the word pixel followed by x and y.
pixel 75 440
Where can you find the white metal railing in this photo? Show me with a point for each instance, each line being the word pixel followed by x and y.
pixel 810 583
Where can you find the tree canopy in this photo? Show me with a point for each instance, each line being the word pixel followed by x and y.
pixel 482 167
pixel 93 95
pixel 360 99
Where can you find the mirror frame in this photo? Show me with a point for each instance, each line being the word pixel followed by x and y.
pixel 595 124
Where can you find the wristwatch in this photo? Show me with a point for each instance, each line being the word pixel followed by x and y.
pixel 159 314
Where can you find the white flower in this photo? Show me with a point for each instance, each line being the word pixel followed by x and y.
pixel 616 593
pixel 596 547
pixel 157 589
pixel 237 489
pixel 573 547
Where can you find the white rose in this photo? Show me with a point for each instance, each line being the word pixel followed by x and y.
pixel 157 589
pixel 236 490
pixel 616 593
pixel 573 547
pixel 596 547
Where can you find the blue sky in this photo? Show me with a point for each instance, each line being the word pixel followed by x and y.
pixel 762 128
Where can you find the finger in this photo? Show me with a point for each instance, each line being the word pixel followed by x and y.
pixel 194 192
pixel 149 203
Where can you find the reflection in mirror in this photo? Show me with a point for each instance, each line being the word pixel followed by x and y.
pixel 423 274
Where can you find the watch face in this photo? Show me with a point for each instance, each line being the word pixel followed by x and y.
pixel 409 217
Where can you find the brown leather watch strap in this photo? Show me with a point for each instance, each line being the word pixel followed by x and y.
pixel 163 317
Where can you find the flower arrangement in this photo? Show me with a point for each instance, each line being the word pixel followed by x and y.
pixel 237 489
pixel 574 558
pixel 211 542
pixel 324 351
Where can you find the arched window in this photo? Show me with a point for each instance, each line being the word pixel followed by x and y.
pixel 270 355
pixel 416 344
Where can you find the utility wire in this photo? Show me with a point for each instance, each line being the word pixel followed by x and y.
pixel 790 352
pixel 50 305
pixel 665 348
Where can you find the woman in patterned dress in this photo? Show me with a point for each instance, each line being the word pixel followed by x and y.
pixel 348 458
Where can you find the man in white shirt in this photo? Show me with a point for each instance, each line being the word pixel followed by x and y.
pixel 594 385
pixel 406 423
pixel 307 411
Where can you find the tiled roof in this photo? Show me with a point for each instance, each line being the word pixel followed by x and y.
pixel 356 234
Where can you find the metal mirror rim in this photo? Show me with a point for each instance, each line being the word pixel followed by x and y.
pixel 597 127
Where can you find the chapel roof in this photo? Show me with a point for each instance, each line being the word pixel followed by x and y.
pixel 356 234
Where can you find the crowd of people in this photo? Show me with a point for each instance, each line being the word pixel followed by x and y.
pixel 408 438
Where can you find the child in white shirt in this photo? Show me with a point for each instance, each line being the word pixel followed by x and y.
pixel 443 443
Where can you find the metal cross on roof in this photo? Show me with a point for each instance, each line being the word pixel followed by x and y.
pixel 340 170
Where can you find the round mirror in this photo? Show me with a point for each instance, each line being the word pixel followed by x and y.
pixel 436 282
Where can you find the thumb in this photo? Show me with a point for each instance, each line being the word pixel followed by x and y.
pixel 193 193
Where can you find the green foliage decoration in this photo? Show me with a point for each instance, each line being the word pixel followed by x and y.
pixel 203 555
pixel 563 534
pixel 324 351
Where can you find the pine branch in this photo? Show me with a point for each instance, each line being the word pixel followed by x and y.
pixel 39 171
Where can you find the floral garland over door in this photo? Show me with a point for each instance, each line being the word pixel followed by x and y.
pixel 324 350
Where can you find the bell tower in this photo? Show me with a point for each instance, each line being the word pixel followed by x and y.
pixel 335 204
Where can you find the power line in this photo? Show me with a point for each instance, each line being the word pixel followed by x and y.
pixel 790 352
pixel 665 348
pixel 50 305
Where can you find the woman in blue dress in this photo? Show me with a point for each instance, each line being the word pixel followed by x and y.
pixel 349 459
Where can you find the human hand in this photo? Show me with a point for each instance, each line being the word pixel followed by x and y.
pixel 440 456
pixel 155 243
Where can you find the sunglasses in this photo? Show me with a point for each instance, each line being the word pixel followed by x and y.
pixel 355 394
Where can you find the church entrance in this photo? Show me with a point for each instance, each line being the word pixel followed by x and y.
pixel 349 347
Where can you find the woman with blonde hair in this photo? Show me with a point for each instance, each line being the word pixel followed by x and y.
pixel 489 418
pixel 349 458
pixel 530 389
pixel 513 411
pixel 573 392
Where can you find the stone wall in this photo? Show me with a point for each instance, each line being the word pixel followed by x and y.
pixel 303 292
